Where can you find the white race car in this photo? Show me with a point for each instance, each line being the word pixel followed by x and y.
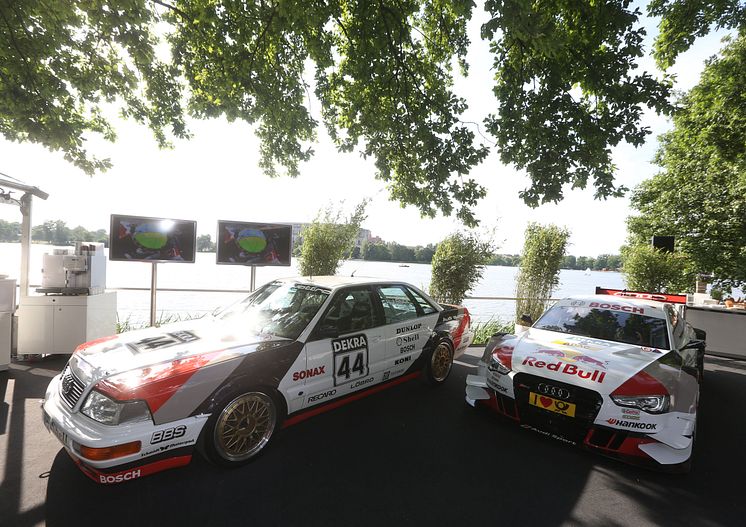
pixel 140 402
pixel 618 372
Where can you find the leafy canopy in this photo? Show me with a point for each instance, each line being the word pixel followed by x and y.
pixel 565 86
pixel 699 196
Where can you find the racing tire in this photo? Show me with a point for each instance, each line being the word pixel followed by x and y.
pixel 242 428
pixel 439 364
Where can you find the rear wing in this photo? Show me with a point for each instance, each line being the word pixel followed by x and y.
pixel 642 295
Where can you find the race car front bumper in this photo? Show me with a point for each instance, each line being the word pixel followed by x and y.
pixel 75 430
pixel 669 445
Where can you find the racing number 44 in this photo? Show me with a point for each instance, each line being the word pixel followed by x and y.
pixel 344 371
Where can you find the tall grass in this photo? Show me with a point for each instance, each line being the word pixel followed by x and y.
pixel 538 274
pixel 484 330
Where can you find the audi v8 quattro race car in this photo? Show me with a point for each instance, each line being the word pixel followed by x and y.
pixel 141 402
pixel 617 372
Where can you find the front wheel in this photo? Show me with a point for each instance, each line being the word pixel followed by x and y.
pixel 242 429
pixel 439 364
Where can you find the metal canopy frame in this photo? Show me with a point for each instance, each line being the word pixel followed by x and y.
pixel 25 205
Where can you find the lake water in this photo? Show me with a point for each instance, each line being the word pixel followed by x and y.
pixel 205 274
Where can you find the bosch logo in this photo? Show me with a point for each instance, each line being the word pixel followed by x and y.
pixel 554 391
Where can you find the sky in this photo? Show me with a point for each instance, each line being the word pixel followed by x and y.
pixel 215 176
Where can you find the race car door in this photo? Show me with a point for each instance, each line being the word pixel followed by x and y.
pixel 410 321
pixel 346 350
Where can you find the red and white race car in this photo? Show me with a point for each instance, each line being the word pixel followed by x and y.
pixel 617 372
pixel 140 402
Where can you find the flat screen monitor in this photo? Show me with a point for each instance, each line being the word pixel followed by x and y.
pixel 260 244
pixel 141 239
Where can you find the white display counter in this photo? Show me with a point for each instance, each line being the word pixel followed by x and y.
pixel 7 307
pixel 726 329
pixel 59 324
pixel 6 322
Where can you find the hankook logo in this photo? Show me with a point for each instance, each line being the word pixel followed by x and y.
pixel 554 391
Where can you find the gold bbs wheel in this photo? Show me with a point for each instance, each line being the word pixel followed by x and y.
pixel 245 426
pixel 440 362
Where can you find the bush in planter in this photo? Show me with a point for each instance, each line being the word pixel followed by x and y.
pixel 458 264
pixel 328 239
pixel 538 272
pixel 646 268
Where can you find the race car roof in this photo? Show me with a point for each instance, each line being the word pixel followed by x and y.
pixel 334 282
pixel 651 307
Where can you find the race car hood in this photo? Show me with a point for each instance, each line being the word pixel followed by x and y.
pixel 199 342
pixel 596 364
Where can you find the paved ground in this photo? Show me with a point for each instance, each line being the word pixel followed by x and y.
pixel 409 455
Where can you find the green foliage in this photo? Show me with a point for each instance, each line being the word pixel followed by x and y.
pixel 649 269
pixel 424 254
pixel 205 244
pixel 508 260
pixel 383 71
pixel 378 252
pixel 10 231
pixel 484 330
pixel 57 232
pixel 383 75
pixel 327 239
pixel 682 21
pixel 392 251
pixel 401 253
pixel 566 91
pixel 62 62
pixel 458 265
pixel 700 194
pixel 538 274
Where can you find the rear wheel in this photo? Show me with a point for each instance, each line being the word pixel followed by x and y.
pixel 241 430
pixel 439 364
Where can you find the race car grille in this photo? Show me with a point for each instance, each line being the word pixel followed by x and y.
pixel 587 404
pixel 71 388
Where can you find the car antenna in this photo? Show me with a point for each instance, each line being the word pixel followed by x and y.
pixel 352 274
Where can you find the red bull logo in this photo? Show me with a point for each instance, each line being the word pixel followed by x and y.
pixel 567 369
pixel 570 356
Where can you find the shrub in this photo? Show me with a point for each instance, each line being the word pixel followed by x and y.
pixel 328 239
pixel 484 330
pixel 538 272
pixel 647 268
pixel 458 263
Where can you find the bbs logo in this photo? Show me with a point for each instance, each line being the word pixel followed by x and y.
pixel 166 435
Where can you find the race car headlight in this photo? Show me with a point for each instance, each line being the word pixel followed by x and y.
pixel 498 367
pixel 107 411
pixel 654 404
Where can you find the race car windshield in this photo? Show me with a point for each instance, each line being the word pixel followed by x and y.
pixel 606 324
pixel 278 308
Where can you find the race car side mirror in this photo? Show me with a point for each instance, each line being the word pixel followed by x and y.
pixel 526 320
pixel 693 345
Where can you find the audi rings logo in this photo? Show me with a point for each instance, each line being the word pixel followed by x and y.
pixel 554 391
pixel 67 385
